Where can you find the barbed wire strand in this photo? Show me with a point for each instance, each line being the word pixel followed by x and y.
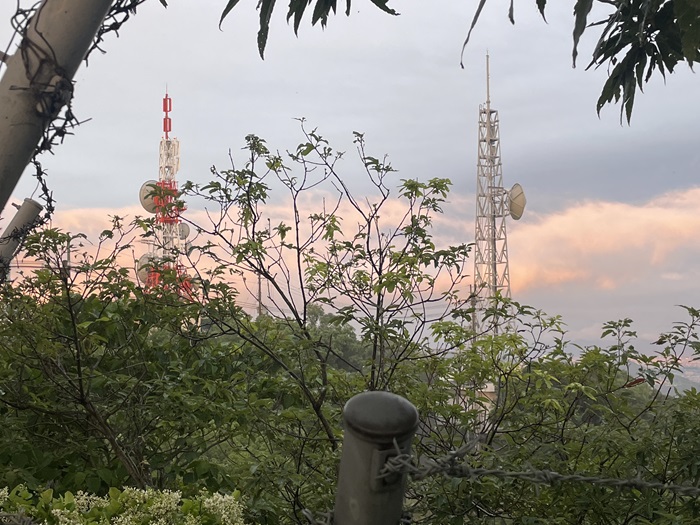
pixel 55 100
pixel 448 466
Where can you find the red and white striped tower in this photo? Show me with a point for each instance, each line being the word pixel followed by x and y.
pixel 161 197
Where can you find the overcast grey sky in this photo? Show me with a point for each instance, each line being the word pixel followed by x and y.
pixel 610 229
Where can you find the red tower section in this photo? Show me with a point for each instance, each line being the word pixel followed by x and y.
pixel 163 266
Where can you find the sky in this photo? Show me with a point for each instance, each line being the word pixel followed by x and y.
pixel 611 226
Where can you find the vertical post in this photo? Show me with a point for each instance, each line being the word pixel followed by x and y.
pixel 374 423
pixel 38 79
pixel 21 223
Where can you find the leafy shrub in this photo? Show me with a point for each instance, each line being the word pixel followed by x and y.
pixel 129 506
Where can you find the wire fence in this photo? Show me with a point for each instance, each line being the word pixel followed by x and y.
pixel 453 465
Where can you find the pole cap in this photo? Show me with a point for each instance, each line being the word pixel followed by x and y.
pixel 380 416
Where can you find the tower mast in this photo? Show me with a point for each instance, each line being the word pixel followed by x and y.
pixel 161 198
pixel 491 273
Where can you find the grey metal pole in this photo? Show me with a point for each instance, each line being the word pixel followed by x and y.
pixel 21 223
pixel 373 422
pixel 37 81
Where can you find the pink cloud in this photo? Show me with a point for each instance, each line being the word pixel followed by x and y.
pixel 599 244
pixel 604 243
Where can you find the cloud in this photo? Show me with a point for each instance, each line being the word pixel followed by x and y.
pixel 606 244
pixel 602 244
pixel 590 262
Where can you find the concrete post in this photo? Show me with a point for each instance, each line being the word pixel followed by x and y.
pixel 373 421
pixel 37 81
pixel 24 219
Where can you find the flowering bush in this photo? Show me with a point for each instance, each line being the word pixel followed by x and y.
pixel 121 507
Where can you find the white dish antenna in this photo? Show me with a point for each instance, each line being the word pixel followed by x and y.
pixel 143 266
pixel 146 195
pixel 183 230
pixel 516 201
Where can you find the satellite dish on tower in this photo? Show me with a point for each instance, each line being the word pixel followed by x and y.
pixel 184 230
pixel 143 266
pixel 146 195
pixel 516 201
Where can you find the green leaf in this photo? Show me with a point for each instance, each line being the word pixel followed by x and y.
pixel 68 498
pixel 511 16
pixel 471 28
pixel 688 16
pixel 581 10
pixel 381 4
pixel 296 9
pixel 541 4
pixel 321 11
pixel 46 496
pixel 231 4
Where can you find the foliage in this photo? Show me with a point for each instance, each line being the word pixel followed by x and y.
pixel 100 383
pixel 297 9
pixel 105 384
pixel 349 297
pixel 606 413
pixel 638 37
pixel 123 507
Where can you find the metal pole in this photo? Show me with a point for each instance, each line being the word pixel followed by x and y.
pixel 38 80
pixel 375 423
pixel 259 295
pixel 21 223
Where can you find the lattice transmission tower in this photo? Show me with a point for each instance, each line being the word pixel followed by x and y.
pixel 161 197
pixel 493 204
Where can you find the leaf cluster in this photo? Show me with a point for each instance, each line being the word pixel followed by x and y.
pixel 638 37
pixel 297 8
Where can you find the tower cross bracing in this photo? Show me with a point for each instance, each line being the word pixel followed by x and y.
pixel 491 274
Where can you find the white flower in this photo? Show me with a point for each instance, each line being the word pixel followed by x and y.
pixel 85 501
pixel 67 517
pixel 225 508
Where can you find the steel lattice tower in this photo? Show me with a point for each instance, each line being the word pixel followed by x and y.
pixel 491 275
pixel 161 198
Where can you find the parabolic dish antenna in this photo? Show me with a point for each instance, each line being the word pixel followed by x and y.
pixel 184 230
pixel 146 195
pixel 516 201
pixel 143 266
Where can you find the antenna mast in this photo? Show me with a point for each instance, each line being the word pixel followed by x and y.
pixel 491 274
pixel 161 198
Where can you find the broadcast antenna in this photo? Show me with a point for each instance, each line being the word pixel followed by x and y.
pixel 160 197
pixel 493 204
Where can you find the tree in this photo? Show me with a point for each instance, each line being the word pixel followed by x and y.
pixel 384 278
pixel 637 37
pixel 103 383
pixel 553 410
pixel 99 384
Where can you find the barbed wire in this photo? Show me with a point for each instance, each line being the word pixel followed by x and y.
pixel 118 14
pixel 449 466
pixel 55 98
